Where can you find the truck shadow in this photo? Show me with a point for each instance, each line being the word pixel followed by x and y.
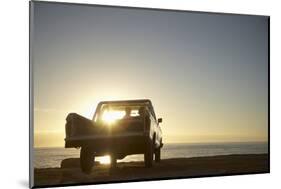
pixel 70 169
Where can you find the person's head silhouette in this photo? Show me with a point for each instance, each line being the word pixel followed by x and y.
pixel 128 112
pixel 141 111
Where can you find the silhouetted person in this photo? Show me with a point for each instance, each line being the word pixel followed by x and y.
pixel 128 112
pixel 141 111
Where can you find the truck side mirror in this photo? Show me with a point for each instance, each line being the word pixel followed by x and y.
pixel 160 120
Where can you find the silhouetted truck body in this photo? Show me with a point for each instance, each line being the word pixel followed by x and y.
pixel 118 129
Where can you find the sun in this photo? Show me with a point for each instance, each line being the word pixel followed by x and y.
pixel 104 159
pixel 111 116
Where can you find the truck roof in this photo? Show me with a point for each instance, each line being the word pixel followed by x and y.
pixel 126 101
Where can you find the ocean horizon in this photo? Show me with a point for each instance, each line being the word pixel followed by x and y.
pixel 50 157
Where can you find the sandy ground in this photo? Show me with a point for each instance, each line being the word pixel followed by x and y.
pixel 70 173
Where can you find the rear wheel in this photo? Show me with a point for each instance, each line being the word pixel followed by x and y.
pixel 148 155
pixel 87 159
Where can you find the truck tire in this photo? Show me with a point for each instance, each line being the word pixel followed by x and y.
pixel 158 155
pixel 148 155
pixel 86 160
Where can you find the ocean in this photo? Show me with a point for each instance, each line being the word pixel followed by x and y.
pixel 52 157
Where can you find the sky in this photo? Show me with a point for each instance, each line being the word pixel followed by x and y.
pixel 206 74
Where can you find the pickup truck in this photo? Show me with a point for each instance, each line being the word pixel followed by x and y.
pixel 118 129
